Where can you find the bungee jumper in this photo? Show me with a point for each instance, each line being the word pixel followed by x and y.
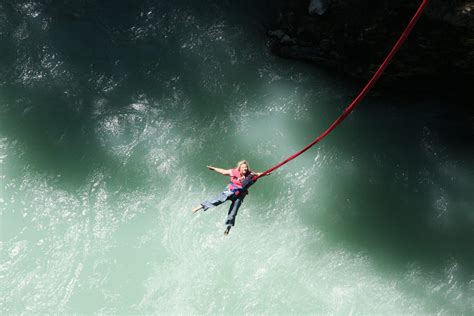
pixel 241 178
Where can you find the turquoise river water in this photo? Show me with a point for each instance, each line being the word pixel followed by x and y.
pixel 110 112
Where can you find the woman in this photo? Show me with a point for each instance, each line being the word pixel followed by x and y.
pixel 240 179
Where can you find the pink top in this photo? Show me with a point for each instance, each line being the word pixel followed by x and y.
pixel 235 179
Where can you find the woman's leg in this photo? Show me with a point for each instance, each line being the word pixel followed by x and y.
pixel 234 208
pixel 221 198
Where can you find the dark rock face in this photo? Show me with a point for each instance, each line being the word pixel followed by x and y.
pixel 354 36
pixel 456 12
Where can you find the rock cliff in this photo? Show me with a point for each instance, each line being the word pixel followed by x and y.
pixel 353 37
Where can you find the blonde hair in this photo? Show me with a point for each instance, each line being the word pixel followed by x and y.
pixel 240 163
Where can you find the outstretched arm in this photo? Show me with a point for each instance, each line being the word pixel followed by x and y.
pixel 226 172
pixel 259 173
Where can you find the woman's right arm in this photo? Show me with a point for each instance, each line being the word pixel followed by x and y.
pixel 226 172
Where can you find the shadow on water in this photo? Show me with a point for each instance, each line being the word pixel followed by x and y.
pixel 405 198
pixel 51 116
pixel 51 112
pixel 57 141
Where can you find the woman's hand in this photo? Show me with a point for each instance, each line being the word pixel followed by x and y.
pixel 211 168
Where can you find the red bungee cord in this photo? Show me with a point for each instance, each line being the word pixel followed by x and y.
pixel 363 92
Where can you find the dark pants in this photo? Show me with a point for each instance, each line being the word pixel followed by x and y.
pixel 221 198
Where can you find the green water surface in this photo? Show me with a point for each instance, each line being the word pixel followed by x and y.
pixel 110 112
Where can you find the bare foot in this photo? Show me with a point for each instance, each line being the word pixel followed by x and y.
pixel 197 208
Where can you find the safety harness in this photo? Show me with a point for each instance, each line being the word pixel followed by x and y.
pixel 239 187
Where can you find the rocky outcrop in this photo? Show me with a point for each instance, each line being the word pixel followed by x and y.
pixel 318 6
pixel 353 37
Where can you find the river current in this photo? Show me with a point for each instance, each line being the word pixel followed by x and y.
pixel 111 111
